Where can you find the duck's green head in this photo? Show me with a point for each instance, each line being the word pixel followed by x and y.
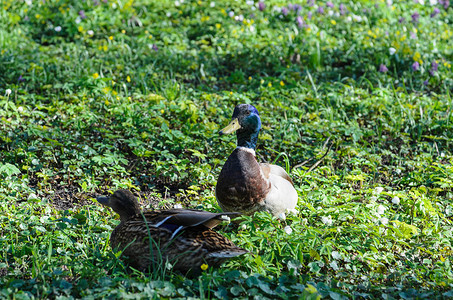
pixel 246 123
pixel 123 202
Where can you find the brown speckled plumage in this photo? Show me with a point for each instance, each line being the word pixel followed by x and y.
pixel 182 237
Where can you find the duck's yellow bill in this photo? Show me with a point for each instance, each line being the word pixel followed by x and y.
pixel 232 127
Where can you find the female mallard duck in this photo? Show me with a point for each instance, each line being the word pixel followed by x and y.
pixel 181 236
pixel 245 185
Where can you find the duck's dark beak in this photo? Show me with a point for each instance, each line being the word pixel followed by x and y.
pixel 103 200
pixel 232 127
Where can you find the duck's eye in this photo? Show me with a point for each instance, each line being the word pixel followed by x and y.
pixel 248 112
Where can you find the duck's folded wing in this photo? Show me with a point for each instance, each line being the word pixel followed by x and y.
pixel 269 169
pixel 189 218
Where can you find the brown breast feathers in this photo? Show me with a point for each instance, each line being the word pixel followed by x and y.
pixel 241 185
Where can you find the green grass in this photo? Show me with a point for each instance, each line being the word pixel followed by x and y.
pixel 132 94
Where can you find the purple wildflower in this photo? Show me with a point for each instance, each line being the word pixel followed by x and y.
pixel 105 1
pixel 82 14
pixel 330 4
pixel 297 7
pixel 401 20
pixel 434 66
pixel 446 4
pixel 20 79
pixel 155 47
pixel 413 35
pixel 26 18
pixel 342 9
pixel 415 16
pixel 321 10
pixel 309 15
pixel 261 6
pixel 300 22
pixel 310 2
pixel 415 66
pixel 285 11
pixel 96 2
pixel 435 12
pixel 383 68
pixel 426 82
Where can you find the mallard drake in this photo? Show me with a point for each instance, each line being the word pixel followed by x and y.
pixel 245 185
pixel 183 237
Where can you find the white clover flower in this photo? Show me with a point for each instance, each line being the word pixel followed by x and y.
pixel 398 171
pixel 378 190
pixel 231 14
pixel 29 2
pixel 226 218
pixel 212 4
pixel 380 209
pixel 8 92
pixel 327 220
pixel 357 18
pixel 90 32
pixel 396 200
pixel 177 3
pixel 250 2
pixel 433 2
pixel 168 14
pixel 244 227
pixel 333 264
pixel 32 196
pixel 78 20
pixel 392 50
pixel 389 2
pixel 20 109
pixel 384 220
pixel 177 205
pixel 57 29
pixel 336 255
pixel 292 211
pixel 282 216
pixel 276 8
pixel 442 154
pixel 288 230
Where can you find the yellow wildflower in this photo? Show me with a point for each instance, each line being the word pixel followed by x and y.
pixel 204 267
pixel 95 75
pixel 282 83
pixel 417 57
pixel 128 78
